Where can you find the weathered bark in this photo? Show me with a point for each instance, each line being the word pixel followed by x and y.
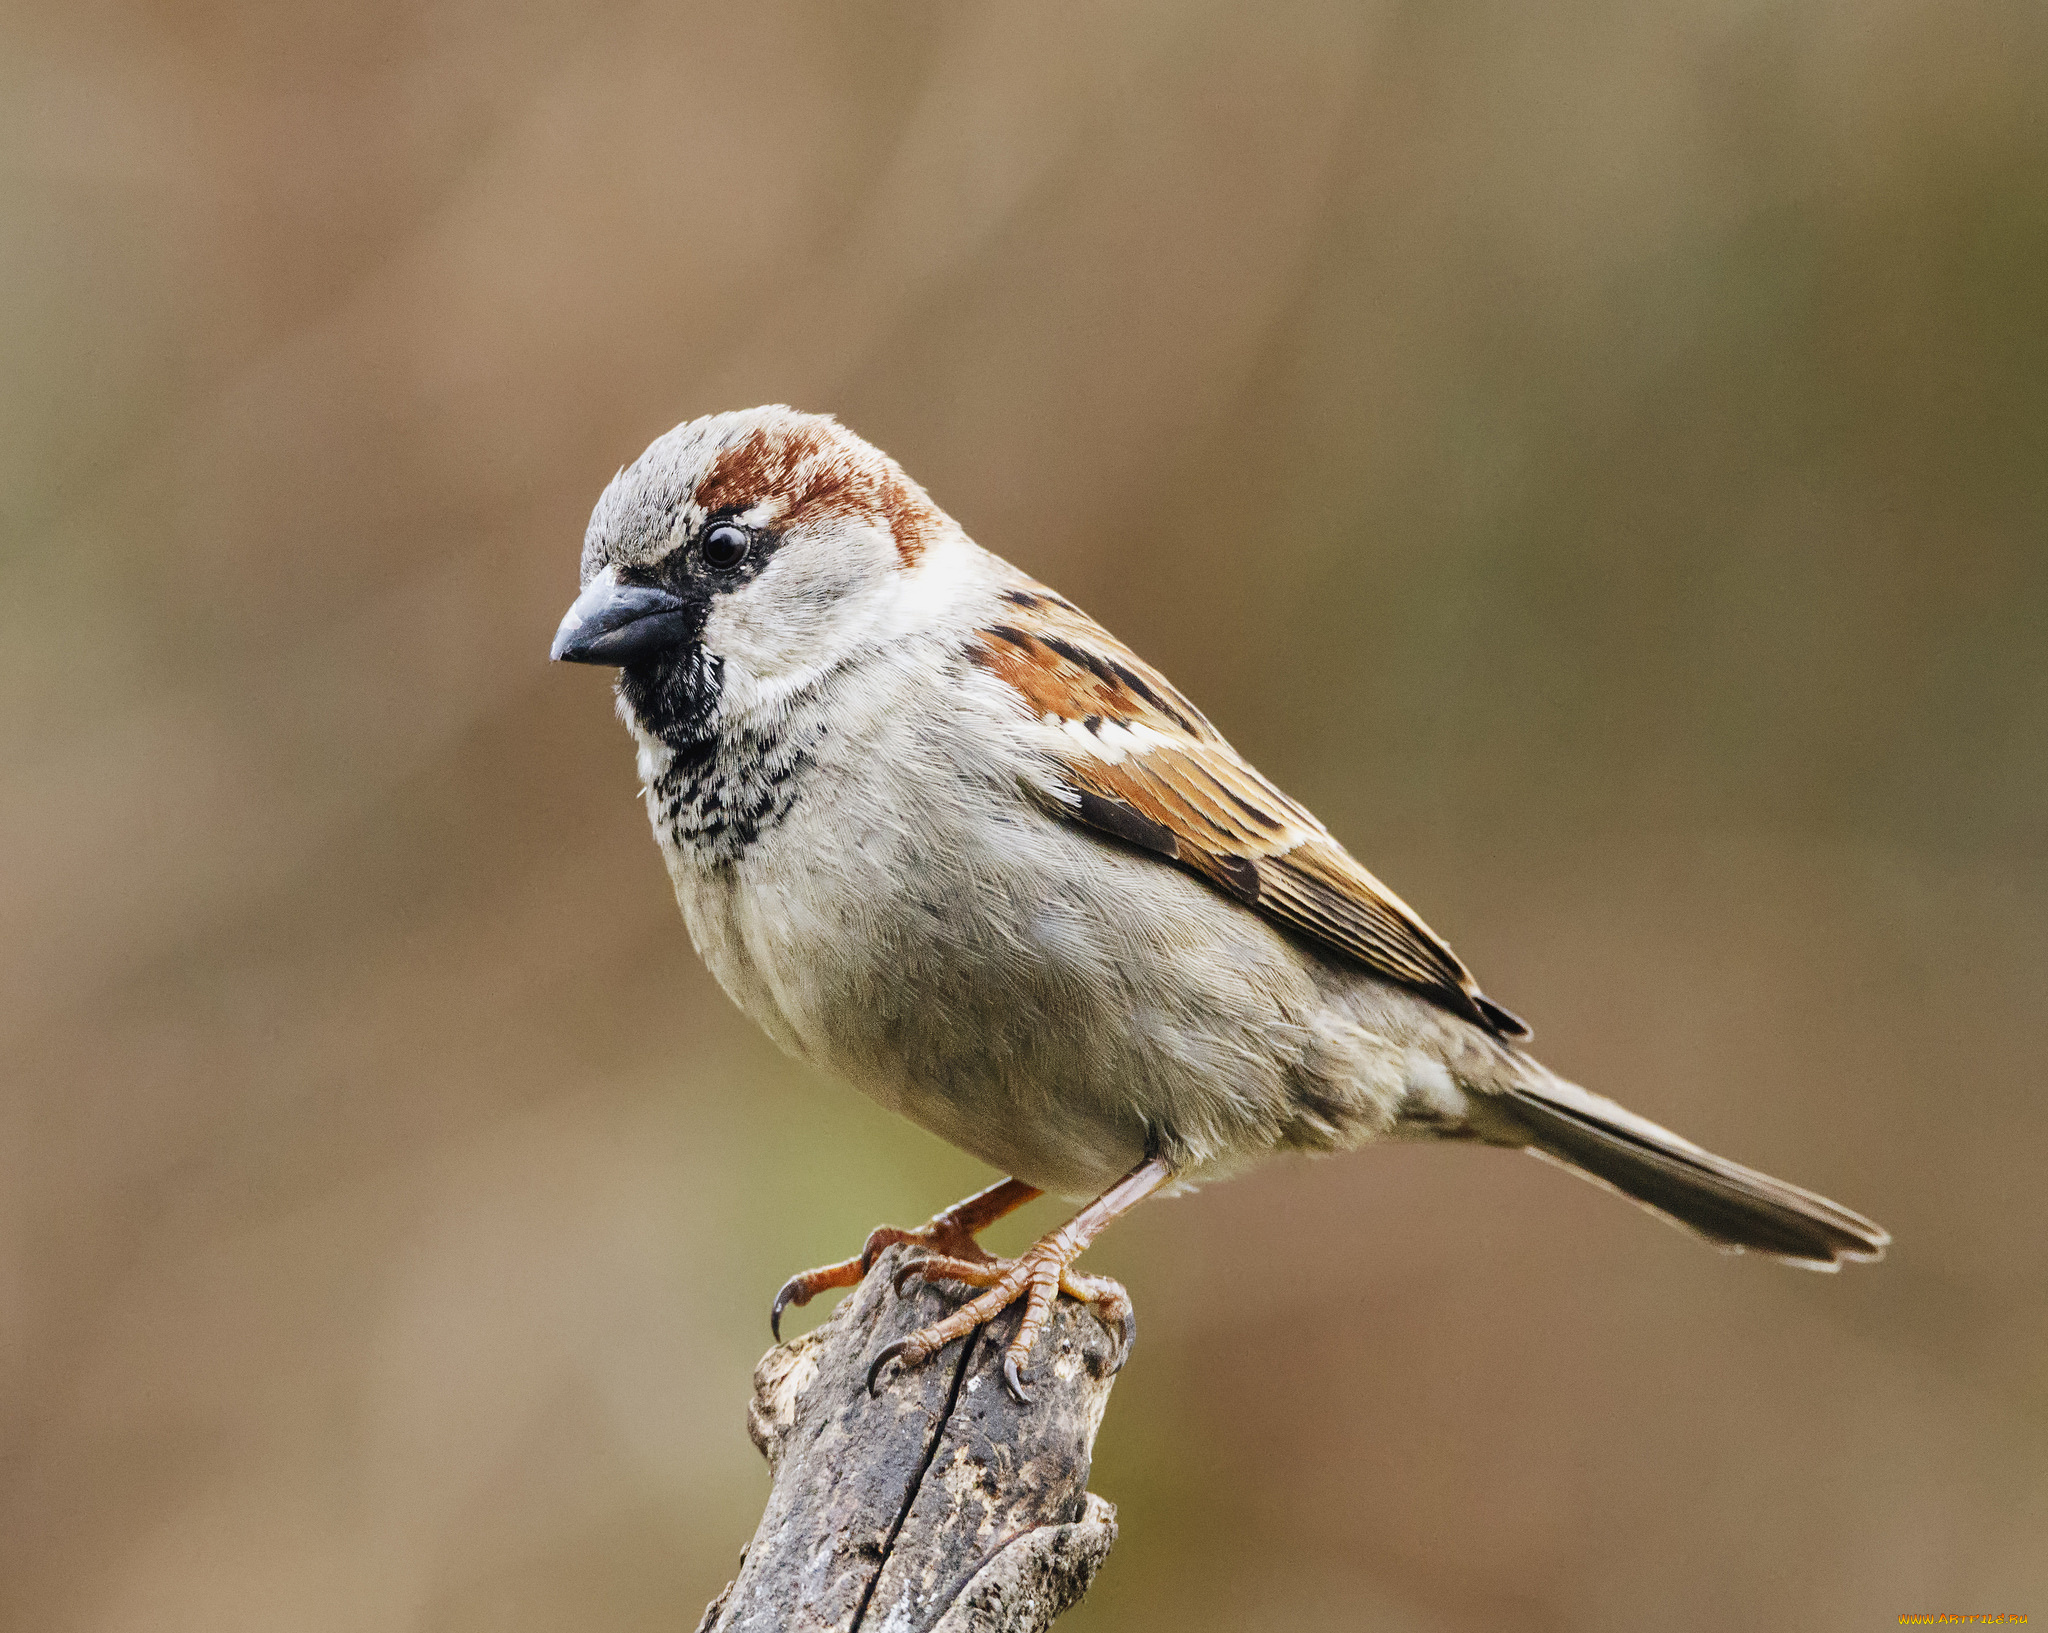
pixel 938 1506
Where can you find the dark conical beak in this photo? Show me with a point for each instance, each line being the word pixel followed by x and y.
pixel 615 623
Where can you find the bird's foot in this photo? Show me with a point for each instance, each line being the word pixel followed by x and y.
pixel 956 1246
pixel 949 1235
pixel 1037 1276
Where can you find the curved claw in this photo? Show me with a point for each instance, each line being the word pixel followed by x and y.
pixel 792 1293
pixel 907 1274
pixel 1014 1380
pixel 1126 1338
pixel 890 1352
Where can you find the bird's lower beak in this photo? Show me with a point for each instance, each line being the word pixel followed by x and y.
pixel 615 623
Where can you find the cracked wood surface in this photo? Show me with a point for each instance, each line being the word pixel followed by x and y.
pixel 939 1505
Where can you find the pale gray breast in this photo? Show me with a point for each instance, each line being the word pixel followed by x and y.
pixel 1023 988
pixel 902 914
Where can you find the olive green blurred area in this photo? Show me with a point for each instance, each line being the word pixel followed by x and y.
pixel 1595 455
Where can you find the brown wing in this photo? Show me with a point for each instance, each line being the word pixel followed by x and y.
pixel 1135 760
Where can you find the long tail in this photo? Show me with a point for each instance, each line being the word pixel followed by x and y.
pixel 1737 1208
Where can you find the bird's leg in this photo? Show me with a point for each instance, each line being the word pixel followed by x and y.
pixel 950 1233
pixel 1038 1276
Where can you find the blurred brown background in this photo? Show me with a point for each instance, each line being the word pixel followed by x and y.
pixel 1597 455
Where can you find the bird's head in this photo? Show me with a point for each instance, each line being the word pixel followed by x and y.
pixel 742 556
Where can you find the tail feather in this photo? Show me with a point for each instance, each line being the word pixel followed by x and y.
pixel 1734 1207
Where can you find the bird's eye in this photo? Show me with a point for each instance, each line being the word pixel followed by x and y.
pixel 724 546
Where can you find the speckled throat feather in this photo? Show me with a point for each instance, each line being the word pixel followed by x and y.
pixel 717 797
pixel 713 788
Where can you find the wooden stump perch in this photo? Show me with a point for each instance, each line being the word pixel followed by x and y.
pixel 939 1505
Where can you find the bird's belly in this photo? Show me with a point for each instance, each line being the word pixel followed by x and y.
pixel 1046 1003
pixel 983 1052
pixel 743 950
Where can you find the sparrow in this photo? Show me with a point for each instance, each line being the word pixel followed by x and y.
pixel 942 835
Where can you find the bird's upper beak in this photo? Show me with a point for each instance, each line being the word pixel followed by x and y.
pixel 615 623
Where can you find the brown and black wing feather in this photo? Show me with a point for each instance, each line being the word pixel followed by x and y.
pixel 1133 760
pixel 1136 761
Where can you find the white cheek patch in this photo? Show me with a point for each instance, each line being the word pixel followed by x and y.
pixel 810 605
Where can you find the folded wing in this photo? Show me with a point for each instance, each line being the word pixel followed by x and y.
pixel 1133 759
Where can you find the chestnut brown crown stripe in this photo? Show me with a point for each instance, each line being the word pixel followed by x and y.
pixel 819 471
